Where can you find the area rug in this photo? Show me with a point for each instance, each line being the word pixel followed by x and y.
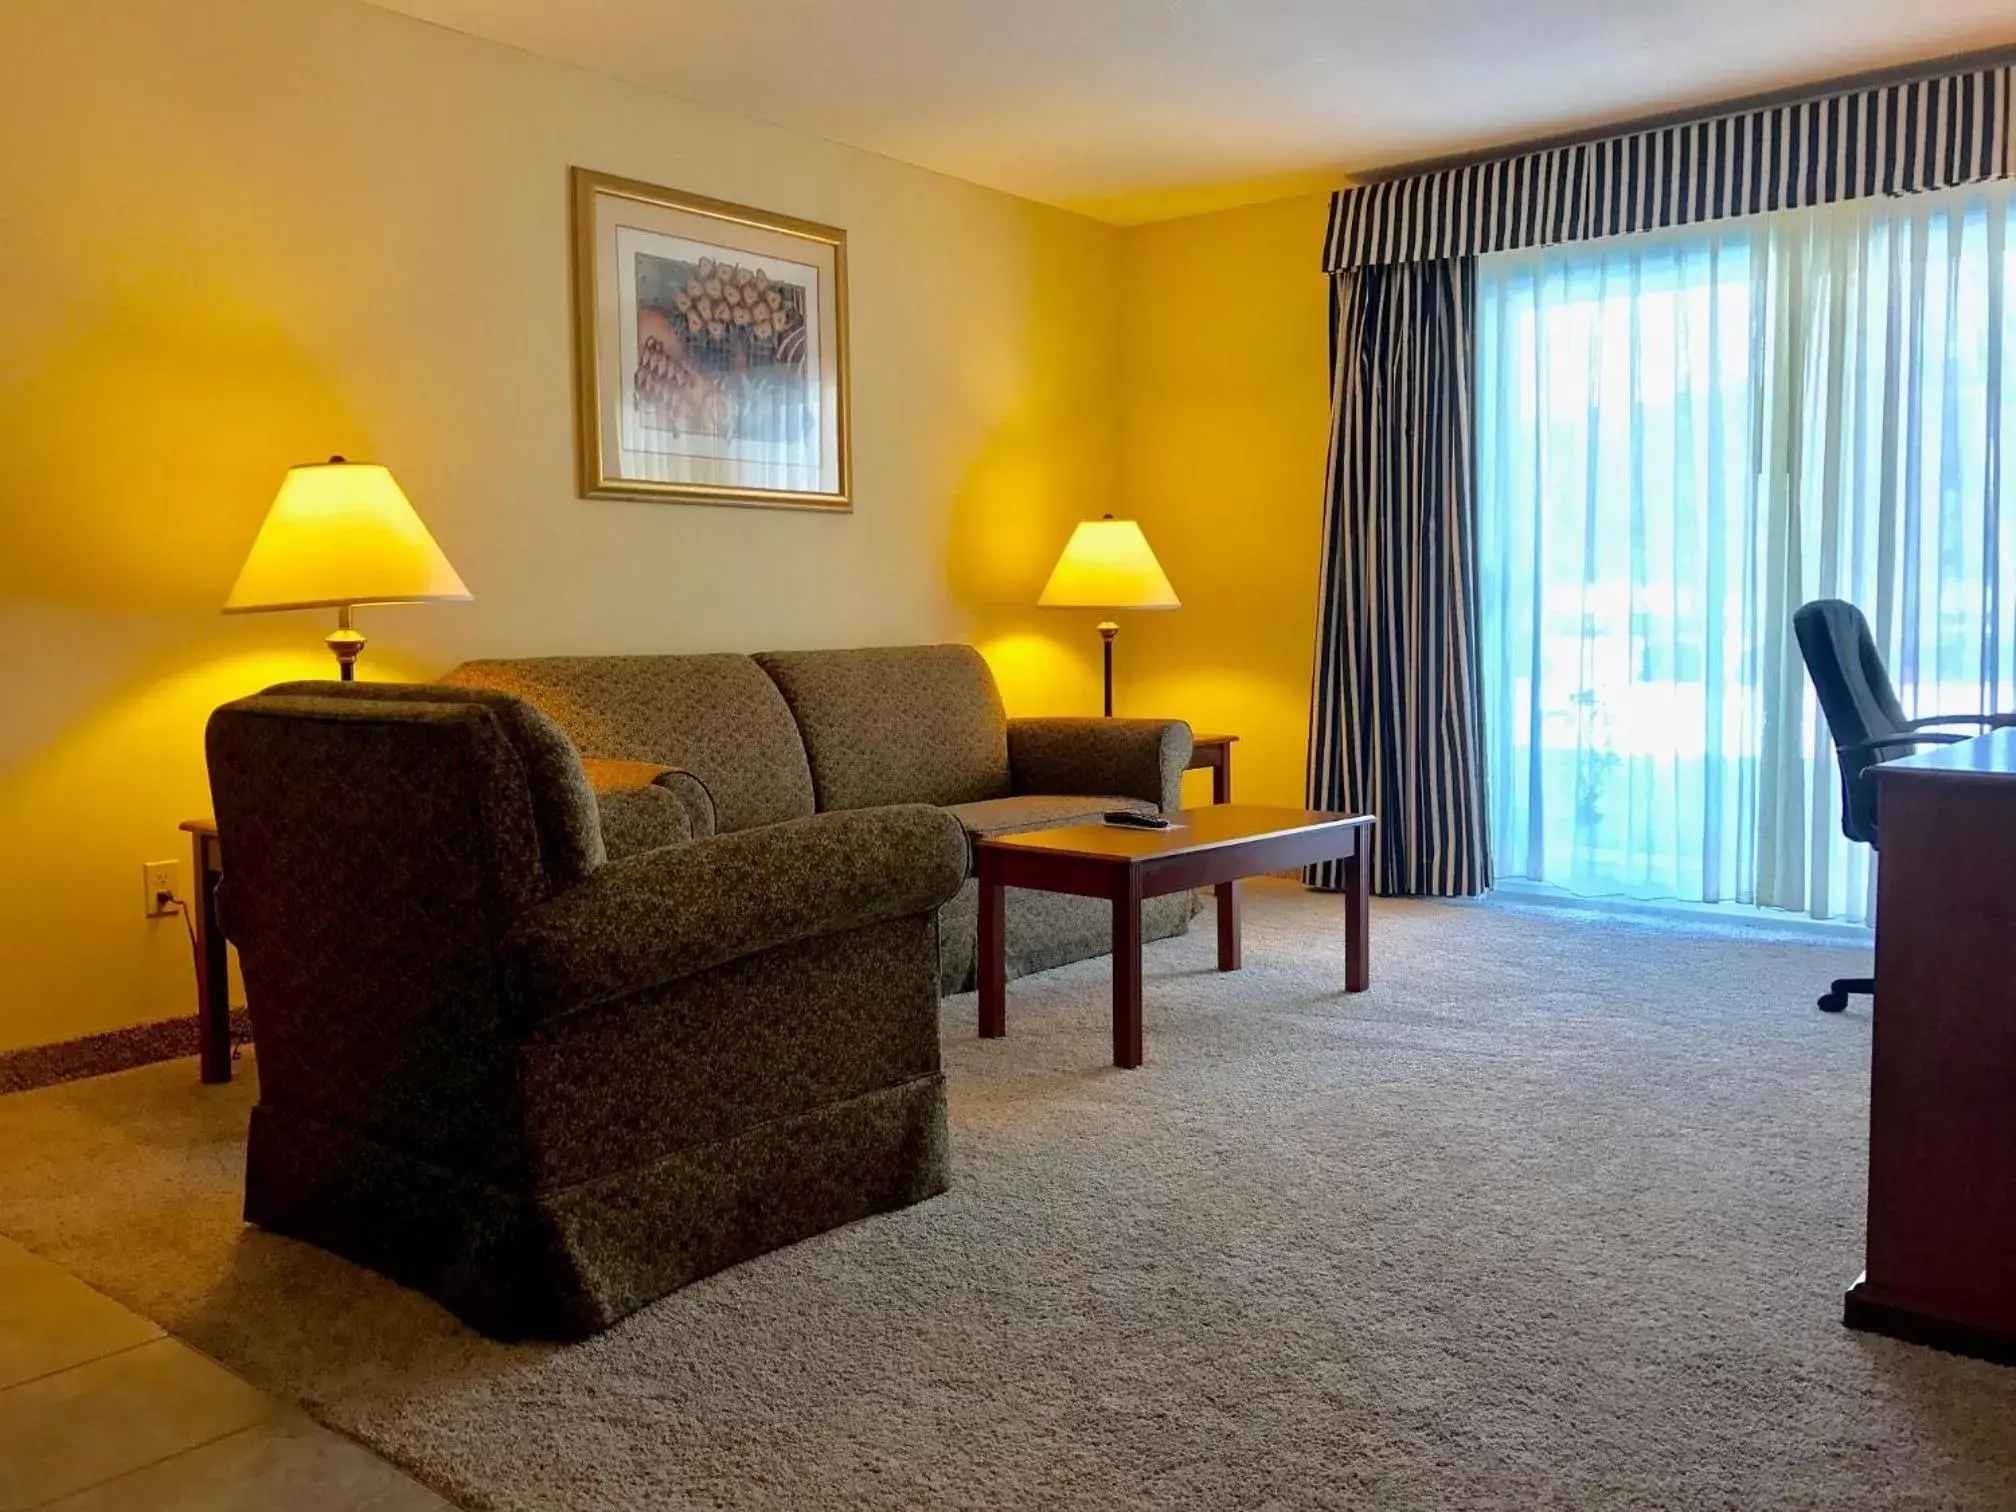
pixel 1557 1215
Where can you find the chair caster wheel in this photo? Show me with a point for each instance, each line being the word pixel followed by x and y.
pixel 1834 1002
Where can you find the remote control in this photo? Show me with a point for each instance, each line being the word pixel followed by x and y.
pixel 1128 819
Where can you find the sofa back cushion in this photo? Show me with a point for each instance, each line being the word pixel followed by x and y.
pixel 896 724
pixel 718 717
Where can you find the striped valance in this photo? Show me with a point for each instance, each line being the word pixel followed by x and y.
pixel 1895 139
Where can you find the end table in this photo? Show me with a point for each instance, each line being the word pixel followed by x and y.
pixel 213 969
pixel 1213 753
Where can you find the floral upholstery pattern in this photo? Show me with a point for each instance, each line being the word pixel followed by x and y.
pixel 871 728
pixel 640 923
pixel 547 1102
pixel 645 805
pixel 563 801
pixel 896 724
pixel 1019 815
pixel 1142 758
pixel 718 717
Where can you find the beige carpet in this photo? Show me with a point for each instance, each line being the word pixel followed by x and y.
pixel 1558 1215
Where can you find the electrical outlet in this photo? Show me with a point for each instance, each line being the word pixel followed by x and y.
pixel 162 885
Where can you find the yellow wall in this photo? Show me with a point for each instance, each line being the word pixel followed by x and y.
pixel 244 233
pixel 1224 428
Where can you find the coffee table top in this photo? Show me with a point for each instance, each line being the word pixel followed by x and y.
pixel 1198 829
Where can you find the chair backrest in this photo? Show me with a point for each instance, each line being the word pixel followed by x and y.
pixel 563 800
pixel 375 852
pixel 896 724
pixel 1856 697
pixel 716 716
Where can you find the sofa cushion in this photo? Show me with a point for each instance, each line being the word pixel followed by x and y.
pixel 1014 816
pixel 896 724
pixel 718 717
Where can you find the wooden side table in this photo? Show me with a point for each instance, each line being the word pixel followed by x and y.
pixel 213 970
pixel 1214 753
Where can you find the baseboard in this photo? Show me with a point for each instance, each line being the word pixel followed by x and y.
pixel 102 1054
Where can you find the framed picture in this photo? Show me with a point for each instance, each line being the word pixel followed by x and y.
pixel 710 350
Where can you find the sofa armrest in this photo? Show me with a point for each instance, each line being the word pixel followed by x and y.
pixel 644 805
pixel 1127 758
pixel 606 775
pixel 669 913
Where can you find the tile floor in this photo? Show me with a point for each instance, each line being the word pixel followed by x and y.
pixel 100 1411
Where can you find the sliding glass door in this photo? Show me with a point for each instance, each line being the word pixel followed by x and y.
pixel 1680 439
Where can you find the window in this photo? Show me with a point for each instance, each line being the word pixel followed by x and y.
pixel 1683 437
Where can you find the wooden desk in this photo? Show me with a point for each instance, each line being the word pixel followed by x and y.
pixel 213 969
pixel 1942 1093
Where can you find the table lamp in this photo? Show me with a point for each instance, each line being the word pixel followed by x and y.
pixel 1107 565
pixel 341 534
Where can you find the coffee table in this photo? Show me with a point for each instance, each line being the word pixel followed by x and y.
pixel 1206 847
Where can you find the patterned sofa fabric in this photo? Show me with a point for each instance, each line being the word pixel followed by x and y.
pixel 644 805
pixel 563 801
pixel 896 724
pixel 1040 930
pixel 546 1103
pixel 1036 811
pixel 640 923
pixel 716 716
pixel 870 727
pixel 1140 758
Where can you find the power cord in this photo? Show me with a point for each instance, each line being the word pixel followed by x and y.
pixel 188 923
pixel 195 951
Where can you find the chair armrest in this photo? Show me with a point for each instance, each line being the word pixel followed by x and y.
pixel 1992 721
pixel 1885 742
pixel 1124 758
pixel 668 913
pixel 1917 738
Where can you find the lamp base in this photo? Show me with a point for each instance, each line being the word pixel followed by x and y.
pixel 1107 630
pixel 345 643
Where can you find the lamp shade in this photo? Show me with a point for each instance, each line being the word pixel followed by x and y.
pixel 342 533
pixel 1107 565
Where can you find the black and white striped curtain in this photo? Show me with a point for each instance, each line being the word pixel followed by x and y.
pixel 1897 139
pixel 1394 730
pixel 1394 723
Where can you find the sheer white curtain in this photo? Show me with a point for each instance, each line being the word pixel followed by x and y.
pixel 1683 437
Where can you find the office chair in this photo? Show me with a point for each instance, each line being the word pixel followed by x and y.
pixel 1866 722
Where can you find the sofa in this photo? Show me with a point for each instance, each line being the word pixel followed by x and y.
pixel 545 1084
pixel 687 746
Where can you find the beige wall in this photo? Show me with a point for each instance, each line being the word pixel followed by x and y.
pixel 244 233
pixel 1224 430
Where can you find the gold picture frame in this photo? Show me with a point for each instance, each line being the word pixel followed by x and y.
pixel 710 350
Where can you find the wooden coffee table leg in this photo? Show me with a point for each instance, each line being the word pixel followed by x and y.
pixel 1228 925
pixel 1127 968
pixel 993 962
pixel 1357 918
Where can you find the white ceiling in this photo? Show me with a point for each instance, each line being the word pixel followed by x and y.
pixel 1137 109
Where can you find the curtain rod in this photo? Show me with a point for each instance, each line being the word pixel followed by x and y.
pixel 1902 73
